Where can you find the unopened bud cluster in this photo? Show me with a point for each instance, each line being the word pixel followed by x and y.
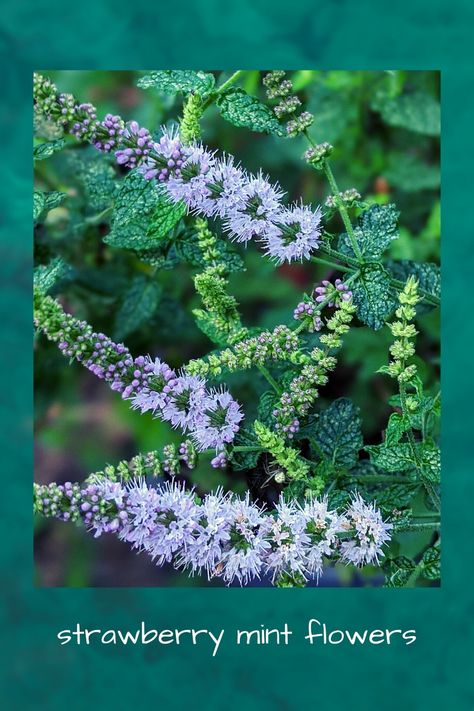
pixel 279 88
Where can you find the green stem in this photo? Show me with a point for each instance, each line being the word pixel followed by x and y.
pixel 215 94
pixel 421 526
pixel 334 265
pixel 343 212
pixel 270 378
pixel 414 575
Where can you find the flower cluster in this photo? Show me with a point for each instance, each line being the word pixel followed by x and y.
pixel 279 88
pixel 222 535
pixel 306 312
pixel 250 205
pixel 336 292
pixel 349 198
pixel 211 416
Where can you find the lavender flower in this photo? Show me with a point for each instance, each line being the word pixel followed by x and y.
pixel 191 184
pixel 185 402
pixel 219 421
pixel 338 291
pixel 219 461
pixel 155 394
pixel 254 213
pixel 243 555
pixel 166 157
pixel 107 133
pixel 137 144
pixel 322 527
pixel 287 539
pixel 296 235
pixel 85 122
pixel 370 533
pixel 224 184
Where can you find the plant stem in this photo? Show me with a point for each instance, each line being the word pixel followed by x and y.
pixel 334 265
pixel 421 526
pixel 343 212
pixel 270 378
pixel 414 575
pixel 215 94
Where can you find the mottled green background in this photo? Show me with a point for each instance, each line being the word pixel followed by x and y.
pixel 434 673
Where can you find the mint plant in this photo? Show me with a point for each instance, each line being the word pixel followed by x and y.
pixel 166 199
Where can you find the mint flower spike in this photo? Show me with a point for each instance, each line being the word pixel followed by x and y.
pixel 223 535
pixel 150 384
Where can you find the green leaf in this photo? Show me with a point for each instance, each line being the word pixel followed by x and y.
pixel 398 458
pixel 427 274
pixel 38 204
pixel 174 81
pixel 373 295
pixel 187 249
pixel 243 110
pixel 338 433
pixel 45 201
pixel 375 229
pixel 96 176
pixel 45 150
pixel 160 257
pixel 432 564
pixel 245 460
pixel 266 406
pixel 407 172
pixel 398 424
pixel 139 304
pixel 418 112
pixel 143 214
pixel 430 463
pixel 47 276
pixel 400 570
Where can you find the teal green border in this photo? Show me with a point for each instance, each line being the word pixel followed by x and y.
pixel 430 674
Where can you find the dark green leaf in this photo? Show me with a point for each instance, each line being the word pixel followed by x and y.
pixel 43 202
pixel 432 564
pixel 398 458
pixel 241 109
pixel 143 214
pixel 427 274
pixel 47 276
pixel 375 229
pixel 430 463
pixel 176 80
pixel 397 426
pixel 266 406
pixel 373 295
pixel 139 304
pixel 400 570
pixel 45 150
pixel 38 204
pixel 338 433
pixel 245 460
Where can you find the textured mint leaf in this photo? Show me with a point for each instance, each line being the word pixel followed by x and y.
pixel 400 570
pixel 38 204
pixel 427 274
pixel 187 249
pixel 45 150
pixel 143 214
pixel 418 112
pixel 409 173
pixel 243 110
pixel 160 257
pixel 373 295
pixel 245 460
pixel 397 458
pixel 338 433
pixel 178 80
pixel 375 229
pixel 432 564
pixel 397 426
pixel 139 304
pixel 430 463
pixel 96 177
pixel 395 496
pixel 53 198
pixel 47 276
pixel 266 406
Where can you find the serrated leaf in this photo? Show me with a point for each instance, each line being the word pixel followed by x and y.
pixel 45 150
pixel 398 458
pixel 398 424
pixel 418 112
pixel 96 176
pixel 395 496
pixel 178 80
pixel 139 304
pixel 189 251
pixel 427 274
pixel 373 295
pixel 266 406
pixel 432 564
pixel 38 204
pixel 243 110
pixel 400 570
pixel 245 460
pixel 143 214
pixel 430 463
pixel 47 276
pixel 375 229
pixel 338 433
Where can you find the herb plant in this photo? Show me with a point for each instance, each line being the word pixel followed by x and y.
pixel 153 202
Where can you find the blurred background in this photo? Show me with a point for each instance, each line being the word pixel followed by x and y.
pixel 387 147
